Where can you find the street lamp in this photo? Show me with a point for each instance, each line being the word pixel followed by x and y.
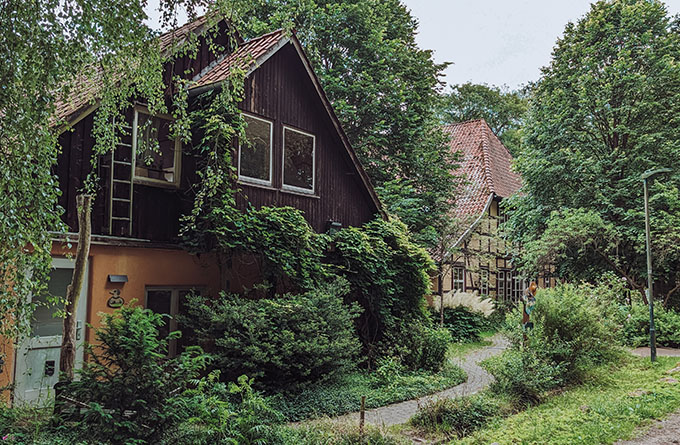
pixel 649 175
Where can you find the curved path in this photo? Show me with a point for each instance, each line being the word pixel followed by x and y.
pixel 477 379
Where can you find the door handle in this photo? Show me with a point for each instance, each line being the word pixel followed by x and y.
pixel 79 326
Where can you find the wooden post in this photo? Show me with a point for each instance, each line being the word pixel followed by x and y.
pixel 362 417
pixel 68 344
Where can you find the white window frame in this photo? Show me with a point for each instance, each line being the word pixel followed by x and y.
pixel 293 188
pixel 518 286
pixel 484 281
pixel 178 153
pixel 248 179
pixel 458 278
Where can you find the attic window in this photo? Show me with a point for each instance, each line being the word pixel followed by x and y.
pixel 255 154
pixel 298 160
pixel 157 155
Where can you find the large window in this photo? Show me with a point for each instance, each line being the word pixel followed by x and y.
pixel 504 285
pixel 298 160
pixel 519 284
pixel 255 153
pixel 157 155
pixel 458 278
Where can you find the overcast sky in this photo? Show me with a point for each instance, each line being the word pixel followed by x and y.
pixel 499 42
pixel 496 41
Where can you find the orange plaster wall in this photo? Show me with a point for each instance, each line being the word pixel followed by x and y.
pixel 143 267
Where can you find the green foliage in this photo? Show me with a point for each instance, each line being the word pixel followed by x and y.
pixel 333 433
pixel 609 407
pixel 388 276
pixel 635 330
pixel 128 390
pixel 525 376
pixel 464 324
pixel 287 339
pixel 455 416
pixel 604 111
pixel 343 393
pixel 418 345
pixel 214 413
pixel 384 90
pixel 502 109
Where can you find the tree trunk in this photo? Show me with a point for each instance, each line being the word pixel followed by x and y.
pixel 440 282
pixel 68 344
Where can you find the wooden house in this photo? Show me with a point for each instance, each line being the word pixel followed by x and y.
pixel 299 156
pixel 483 262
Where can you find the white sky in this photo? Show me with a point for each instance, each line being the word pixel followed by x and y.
pixel 496 41
pixel 499 42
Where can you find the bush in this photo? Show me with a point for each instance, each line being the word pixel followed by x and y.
pixel 279 341
pixel 418 345
pixel 525 376
pixel 464 325
pixel 214 413
pixel 127 391
pixel 459 416
pixel 389 278
pixel 330 433
pixel 635 330
pixel 569 331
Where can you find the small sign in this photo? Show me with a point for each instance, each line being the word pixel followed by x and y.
pixel 115 300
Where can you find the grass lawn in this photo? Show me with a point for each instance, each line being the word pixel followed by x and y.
pixel 461 349
pixel 609 407
pixel 344 395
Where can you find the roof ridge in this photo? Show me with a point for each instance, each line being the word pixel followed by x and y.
pixel 271 33
pixel 486 159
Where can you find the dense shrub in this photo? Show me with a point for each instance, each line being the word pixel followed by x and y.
pixel 333 433
pixel 127 391
pixel 635 330
pixel 525 376
pixel 287 339
pixel 464 324
pixel 457 416
pixel 388 276
pixel 570 331
pixel 418 345
pixel 213 413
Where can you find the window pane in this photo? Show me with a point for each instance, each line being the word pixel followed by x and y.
pixel 160 301
pixel 155 149
pixel 298 163
pixel 44 322
pixel 255 153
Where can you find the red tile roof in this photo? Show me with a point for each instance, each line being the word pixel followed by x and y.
pixel 485 164
pixel 88 86
pixel 245 57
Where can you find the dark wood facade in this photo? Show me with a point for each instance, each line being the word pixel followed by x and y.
pixel 279 90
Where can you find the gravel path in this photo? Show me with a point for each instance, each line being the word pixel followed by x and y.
pixel 663 432
pixel 477 379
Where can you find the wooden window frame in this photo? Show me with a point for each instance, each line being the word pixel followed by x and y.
pixel 177 159
pixel 459 281
pixel 294 188
pixel 484 277
pixel 258 181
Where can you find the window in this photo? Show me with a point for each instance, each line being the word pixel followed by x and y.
pixel 458 279
pixel 169 301
pixel 519 284
pixel 504 284
pixel 255 154
pixel 484 282
pixel 157 155
pixel 298 160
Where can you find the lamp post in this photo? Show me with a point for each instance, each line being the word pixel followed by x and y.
pixel 649 175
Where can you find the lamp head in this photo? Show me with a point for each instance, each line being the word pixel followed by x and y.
pixel 650 173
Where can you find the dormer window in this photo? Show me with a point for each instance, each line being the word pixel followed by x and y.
pixel 298 160
pixel 255 153
pixel 157 155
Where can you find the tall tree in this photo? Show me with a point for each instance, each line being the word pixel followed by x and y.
pixel 385 90
pixel 606 109
pixel 504 110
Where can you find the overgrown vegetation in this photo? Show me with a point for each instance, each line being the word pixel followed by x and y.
pixel 608 406
pixel 279 341
pixel 456 417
